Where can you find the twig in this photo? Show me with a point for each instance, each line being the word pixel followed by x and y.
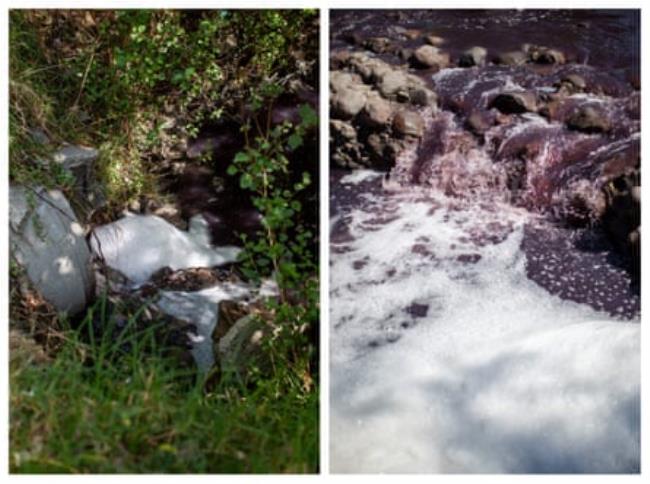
pixel 83 81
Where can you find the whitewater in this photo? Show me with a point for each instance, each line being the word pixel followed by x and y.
pixel 447 358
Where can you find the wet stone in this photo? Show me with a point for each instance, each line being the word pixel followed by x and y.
pixel 468 258
pixel 417 310
pixel 360 263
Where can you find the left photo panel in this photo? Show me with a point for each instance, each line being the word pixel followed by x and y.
pixel 163 234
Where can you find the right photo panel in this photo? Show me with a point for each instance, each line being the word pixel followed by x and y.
pixel 485 241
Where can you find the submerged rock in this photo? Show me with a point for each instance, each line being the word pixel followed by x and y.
pixel 515 102
pixel 589 119
pixel 544 55
pixel 475 56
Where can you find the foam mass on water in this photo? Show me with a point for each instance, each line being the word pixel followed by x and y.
pixel 445 357
pixel 140 245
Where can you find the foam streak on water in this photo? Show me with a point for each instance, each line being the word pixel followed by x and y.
pixel 445 357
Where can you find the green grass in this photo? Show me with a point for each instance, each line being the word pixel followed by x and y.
pixel 117 405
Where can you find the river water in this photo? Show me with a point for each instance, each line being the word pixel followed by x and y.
pixel 472 329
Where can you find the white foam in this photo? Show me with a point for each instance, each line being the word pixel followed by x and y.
pixel 139 245
pixel 201 308
pixel 499 376
pixel 359 176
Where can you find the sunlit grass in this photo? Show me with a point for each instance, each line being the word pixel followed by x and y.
pixel 116 404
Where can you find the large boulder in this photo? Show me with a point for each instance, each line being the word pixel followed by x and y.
pixel 48 242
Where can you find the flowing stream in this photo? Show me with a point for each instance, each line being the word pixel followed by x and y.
pixel 470 332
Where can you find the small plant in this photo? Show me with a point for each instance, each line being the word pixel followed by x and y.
pixel 264 169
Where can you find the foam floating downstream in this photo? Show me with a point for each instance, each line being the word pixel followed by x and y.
pixel 140 245
pixel 447 357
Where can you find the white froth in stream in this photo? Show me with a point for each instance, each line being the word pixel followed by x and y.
pixel 446 358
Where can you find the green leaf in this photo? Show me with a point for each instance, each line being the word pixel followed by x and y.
pixel 294 141
pixel 246 181
pixel 189 72
pixel 308 115
pixel 241 157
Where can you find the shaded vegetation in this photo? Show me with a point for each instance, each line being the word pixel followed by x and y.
pixel 116 80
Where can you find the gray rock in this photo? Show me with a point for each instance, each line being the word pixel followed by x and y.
pixel 369 68
pixel 47 240
pixel 71 157
pixel 544 55
pixel 377 112
pixel 513 58
pixel 340 80
pixel 343 130
pixel 408 123
pixel 201 309
pixel 241 348
pixel 588 119
pixel 39 136
pixel 430 56
pixel 515 102
pixel 79 161
pixel 422 96
pixel 379 45
pixel 394 84
pixel 347 103
pixel 345 147
pixel 434 40
pixel 576 81
pixel 412 34
pixel 475 56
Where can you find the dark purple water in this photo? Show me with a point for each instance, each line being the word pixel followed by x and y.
pixel 536 160
pixel 608 39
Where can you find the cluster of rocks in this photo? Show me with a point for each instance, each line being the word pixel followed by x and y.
pixel 377 109
pixel 506 106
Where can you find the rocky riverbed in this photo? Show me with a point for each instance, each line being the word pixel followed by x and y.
pixel 485 247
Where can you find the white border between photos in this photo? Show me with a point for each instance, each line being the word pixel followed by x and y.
pixel 324 6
